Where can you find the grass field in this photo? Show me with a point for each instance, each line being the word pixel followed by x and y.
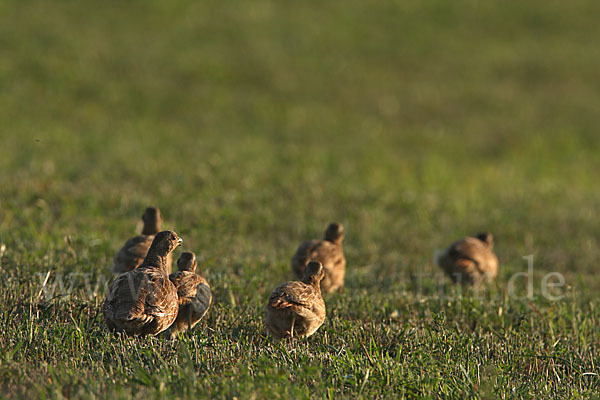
pixel 252 125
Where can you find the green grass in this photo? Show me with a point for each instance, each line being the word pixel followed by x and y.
pixel 254 124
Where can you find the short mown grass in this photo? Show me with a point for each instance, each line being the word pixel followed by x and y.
pixel 252 125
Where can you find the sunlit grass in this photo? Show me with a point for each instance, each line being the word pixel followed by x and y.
pixel 252 125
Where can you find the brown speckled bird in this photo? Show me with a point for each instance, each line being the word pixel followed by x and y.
pixel 144 301
pixel 296 309
pixel 328 252
pixel 470 260
pixel 193 292
pixel 133 252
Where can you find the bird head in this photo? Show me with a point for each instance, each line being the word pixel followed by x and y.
pixel 187 262
pixel 151 218
pixel 334 233
pixel 487 238
pixel 165 242
pixel 314 272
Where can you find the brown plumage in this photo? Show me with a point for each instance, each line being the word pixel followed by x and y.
pixel 328 252
pixel 296 309
pixel 133 252
pixel 193 292
pixel 144 301
pixel 470 260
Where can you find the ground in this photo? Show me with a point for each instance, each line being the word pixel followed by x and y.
pixel 252 125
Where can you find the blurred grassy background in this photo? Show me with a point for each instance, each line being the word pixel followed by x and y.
pixel 252 121
pixel 254 124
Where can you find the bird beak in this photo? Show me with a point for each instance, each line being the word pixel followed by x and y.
pixel 179 241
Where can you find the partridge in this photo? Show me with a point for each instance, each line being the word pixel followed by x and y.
pixel 131 255
pixel 296 309
pixel 144 301
pixel 470 260
pixel 193 292
pixel 329 252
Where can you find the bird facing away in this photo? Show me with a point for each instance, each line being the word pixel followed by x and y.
pixel 329 252
pixel 144 301
pixel 470 260
pixel 296 309
pixel 193 292
pixel 133 252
